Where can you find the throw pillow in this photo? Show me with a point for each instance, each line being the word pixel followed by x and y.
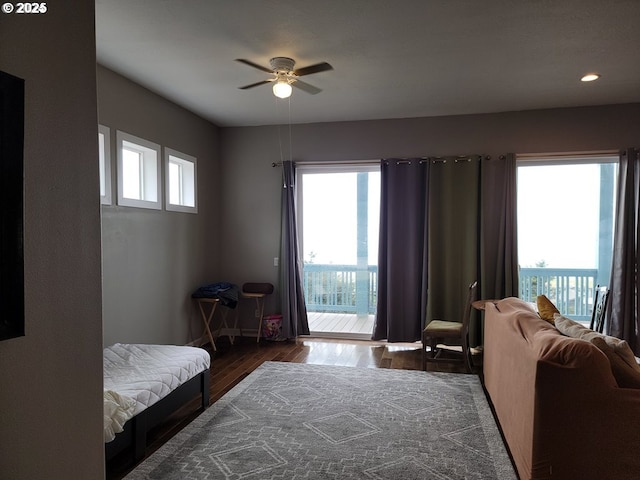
pixel 573 329
pixel 546 308
pixel 625 375
pixel 569 327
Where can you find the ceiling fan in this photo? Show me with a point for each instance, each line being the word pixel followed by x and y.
pixel 285 76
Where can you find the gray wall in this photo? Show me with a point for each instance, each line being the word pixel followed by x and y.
pixel 251 188
pixel 154 259
pixel 51 379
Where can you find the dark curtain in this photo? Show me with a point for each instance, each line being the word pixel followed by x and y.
pixel 454 238
pixel 499 271
pixel 499 259
pixel 402 251
pixel 294 310
pixel 442 226
pixel 624 302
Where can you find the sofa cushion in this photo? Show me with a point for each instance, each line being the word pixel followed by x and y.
pixel 546 308
pixel 625 374
pixel 571 328
pixel 616 346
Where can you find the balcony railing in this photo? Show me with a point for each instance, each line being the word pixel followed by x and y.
pixel 340 288
pixel 570 289
pixel 353 289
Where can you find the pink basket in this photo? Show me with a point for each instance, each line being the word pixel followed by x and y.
pixel 272 327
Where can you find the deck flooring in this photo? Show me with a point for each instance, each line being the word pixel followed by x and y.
pixel 341 325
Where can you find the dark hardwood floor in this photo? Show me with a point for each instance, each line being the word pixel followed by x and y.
pixel 232 363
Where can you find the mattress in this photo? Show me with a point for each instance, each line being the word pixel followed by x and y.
pixel 137 376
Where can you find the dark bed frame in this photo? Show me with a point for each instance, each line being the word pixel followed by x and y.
pixel 134 436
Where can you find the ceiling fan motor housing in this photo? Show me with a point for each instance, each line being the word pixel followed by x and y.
pixel 282 64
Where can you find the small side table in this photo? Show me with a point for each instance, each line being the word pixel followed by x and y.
pixel 207 317
pixel 481 305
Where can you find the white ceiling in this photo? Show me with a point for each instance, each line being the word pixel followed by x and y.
pixel 391 58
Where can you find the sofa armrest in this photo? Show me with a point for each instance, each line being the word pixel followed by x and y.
pixel 585 425
pixel 556 400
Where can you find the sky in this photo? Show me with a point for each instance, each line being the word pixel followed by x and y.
pixel 558 215
pixel 558 218
pixel 329 218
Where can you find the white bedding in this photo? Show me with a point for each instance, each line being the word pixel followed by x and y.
pixel 137 375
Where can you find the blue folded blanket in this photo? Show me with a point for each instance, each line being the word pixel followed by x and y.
pixel 226 292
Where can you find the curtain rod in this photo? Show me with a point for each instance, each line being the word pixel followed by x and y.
pixel 331 162
pixel 455 158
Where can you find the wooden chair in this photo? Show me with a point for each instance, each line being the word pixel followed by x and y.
pixel 599 312
pixel 449 333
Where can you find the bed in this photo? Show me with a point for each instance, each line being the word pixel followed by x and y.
pixel 143 385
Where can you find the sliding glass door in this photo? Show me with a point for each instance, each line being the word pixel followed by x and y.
pixel 339 222
pixel 565 229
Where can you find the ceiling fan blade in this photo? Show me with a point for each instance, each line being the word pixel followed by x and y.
pixel 254 65
pixel 255 84
pixel 304 86
pixel 318 67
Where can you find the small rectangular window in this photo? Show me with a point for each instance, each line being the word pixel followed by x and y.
pixel 104 158
pixel 139 177
pixel 181 181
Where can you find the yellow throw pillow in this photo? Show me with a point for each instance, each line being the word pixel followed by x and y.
pixel 546 308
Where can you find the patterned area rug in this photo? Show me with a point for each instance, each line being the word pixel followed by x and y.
pixel 294 421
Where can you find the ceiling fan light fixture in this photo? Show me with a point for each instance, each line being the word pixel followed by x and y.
pixel 282 89
pixel 590 77
pixel 285 75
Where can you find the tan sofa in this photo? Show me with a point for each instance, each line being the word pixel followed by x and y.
pixel 557 401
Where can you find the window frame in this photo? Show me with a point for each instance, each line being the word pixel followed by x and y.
pixel 192 185
pixel 149 162
pixel 528 160
pixel 104 165
pixel 364 290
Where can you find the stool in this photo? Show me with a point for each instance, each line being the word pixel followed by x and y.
pixel 257 291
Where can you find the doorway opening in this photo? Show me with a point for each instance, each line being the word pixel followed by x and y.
pixel 339 225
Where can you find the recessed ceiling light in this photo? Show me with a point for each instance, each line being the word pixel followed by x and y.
pixel 590 77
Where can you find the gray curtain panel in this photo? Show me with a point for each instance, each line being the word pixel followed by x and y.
pixel 402 253
pixel 624 301
pixel 294 310
pixel 499 241
pixel 453 238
